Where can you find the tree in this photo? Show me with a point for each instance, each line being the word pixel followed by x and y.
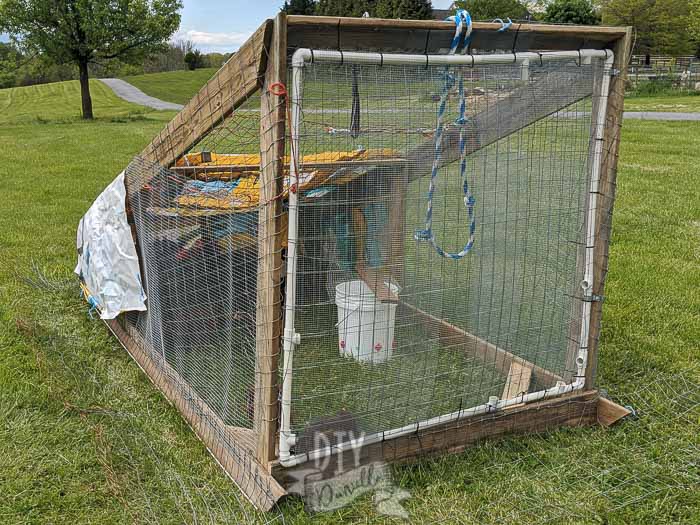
pixel 490 9
pixel 662 26
pixel 194 59
pixel 580 12
pixel 694 6
pixel 413 10
pixel 345 7
pixel 300 7
pixel 84 31
pixel 10 62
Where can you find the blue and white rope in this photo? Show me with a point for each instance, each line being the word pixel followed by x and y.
pixel 461 19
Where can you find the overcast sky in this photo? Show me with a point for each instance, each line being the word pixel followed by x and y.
pixel 223 25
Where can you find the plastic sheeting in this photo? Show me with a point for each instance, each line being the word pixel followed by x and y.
pixel 107 259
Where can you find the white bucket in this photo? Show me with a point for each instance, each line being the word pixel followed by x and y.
pixel 365 325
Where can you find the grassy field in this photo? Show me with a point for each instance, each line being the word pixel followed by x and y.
pixel 86 438
pixel 172 86
pixel 675 103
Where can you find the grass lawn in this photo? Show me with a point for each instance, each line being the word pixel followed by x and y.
pixel 172 86
pixel 86 438
pixel 675 103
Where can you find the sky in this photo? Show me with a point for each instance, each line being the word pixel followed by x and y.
pixel 223 25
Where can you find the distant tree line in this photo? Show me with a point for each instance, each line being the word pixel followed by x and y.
pixel 406 9
pixel 22 69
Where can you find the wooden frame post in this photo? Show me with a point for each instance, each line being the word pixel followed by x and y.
pixel 608 173
pixel 269 297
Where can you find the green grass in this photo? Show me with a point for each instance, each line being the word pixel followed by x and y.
pixel 86 438
pixel 675 103
pixel 60 101
pixel 172 86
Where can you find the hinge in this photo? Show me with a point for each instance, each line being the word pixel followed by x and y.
pixel 594 298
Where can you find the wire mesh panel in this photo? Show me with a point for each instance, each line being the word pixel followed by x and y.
pixel 442 236
pixel 197 230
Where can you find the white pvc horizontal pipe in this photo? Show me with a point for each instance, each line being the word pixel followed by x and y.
pixel 378 437
pixel 301 57
pixel 304 55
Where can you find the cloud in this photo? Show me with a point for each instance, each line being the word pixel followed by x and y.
pixel 207 42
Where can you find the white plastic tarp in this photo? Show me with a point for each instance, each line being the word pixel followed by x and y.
pixel 107 259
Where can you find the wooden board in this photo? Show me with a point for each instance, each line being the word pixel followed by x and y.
pixel 432 36
pixel 451 335
pixel 610 413
pixel 518 382
pixel 606 197
pixel 572 410
pixel 377 279
pixel 269 298
pixel 511 113
pixel 232 448
pixel 230 87
pixel 243 168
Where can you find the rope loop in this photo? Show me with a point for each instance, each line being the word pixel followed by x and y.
pixel 461 19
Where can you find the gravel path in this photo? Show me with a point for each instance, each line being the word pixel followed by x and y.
pixel 661 115
pixel 133 94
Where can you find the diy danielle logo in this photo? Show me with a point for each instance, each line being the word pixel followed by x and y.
pixel 336 481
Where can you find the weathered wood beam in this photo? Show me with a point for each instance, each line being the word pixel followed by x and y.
pixel 518 381
pixel 269 297
pixel 431 36
pixel 610 413
pixel 521 108
pixel 571 410
pixel 606 196
pixel 471 344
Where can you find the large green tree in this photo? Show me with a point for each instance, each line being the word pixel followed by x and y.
pixel 85 31
pixel 581 12
pixel 490 9
pixel 661 26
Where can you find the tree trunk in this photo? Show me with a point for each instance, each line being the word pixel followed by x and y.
pixel 85 89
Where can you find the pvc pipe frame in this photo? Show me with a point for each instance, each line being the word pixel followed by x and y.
pixel 287 439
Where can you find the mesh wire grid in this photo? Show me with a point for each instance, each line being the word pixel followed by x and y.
pixel 530 145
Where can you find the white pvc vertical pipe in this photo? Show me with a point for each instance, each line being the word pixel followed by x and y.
pixel 587 283
pixel 291 338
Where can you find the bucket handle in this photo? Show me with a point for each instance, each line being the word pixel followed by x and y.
pixel 349 314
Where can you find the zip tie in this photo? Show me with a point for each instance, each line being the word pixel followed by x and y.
pixel 504 25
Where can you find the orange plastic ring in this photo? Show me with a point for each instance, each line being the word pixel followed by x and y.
pixel 278 88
